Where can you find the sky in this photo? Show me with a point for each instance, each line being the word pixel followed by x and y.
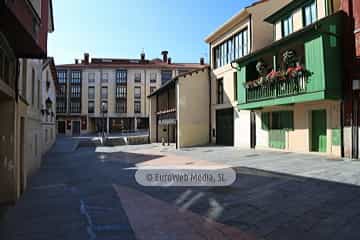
pixel 122 28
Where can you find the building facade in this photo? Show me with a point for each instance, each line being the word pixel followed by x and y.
pixel 111 94
pixel 351 108
pixel 48 105
pixel 293 87
pixel 179 110
pixel 23 34
pixel 243 34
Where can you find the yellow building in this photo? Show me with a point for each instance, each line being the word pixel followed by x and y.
pixel 179 110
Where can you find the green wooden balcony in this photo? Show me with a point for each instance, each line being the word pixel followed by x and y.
pixel 305 66
pixel 286 88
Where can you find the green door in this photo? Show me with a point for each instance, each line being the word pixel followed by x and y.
pixel 318 131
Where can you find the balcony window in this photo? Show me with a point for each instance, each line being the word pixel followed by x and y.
pixel 91 77
pixel 91 107
pixel 60 106
pixel 61 75
pixel 121 76
pixel 121 106
pixel 137 92
pixel 121 91
pixel 137 77
pixel 76 77
pixel 166 75
pixel 287 26
pixel 75 107
pixel 104 92
pixel 91 93
pixel 233 48
pixel 153 77
pixel 61 91
pixel 75 91
pixel 137 106
pixel 309 13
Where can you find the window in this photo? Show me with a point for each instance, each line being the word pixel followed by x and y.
pixel 105 77
pixel 166 75
pixel 91 77
pixel 121 76
pixel 75 107
pixel 265 120
pixel 104 92
pixel 152 89
pixel 153 77
pixel 309 13
pixel 235 87
pixel 121 91
pixel 75 91
pixel 75 77
pixel 121 106
pixel 220 91
pixel 282 120
pixel 233 48
pixel 137 77
pixel 287 26
pixel 62 91
pixel 91 107
pixel 61 75
pixel 105 108
pixel 137 106
pixel 137 92
pixel 32 86
pixel 60 107
pixel 91 93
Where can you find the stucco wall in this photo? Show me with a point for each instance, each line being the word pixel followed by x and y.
pixel 193 109
pixel 299 139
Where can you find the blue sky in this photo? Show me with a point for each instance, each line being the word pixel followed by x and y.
pixel 122 28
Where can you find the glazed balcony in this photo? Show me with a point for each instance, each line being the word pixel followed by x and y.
pixel 305 66
pixel 25 30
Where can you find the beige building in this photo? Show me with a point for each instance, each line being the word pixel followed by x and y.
pixel 48 105
pixel 23 34
pixel 241 35
pixel 120 85
pixel 179 110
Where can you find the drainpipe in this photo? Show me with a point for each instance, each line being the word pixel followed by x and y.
pixel 210 93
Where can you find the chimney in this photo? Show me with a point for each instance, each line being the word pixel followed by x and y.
pixel 165 56
pixel 202 61
pixel 86 58
pixel 76 61
pixel 169 60
pixel 142 56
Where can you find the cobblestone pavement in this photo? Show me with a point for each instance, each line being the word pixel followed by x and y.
pixel 88 193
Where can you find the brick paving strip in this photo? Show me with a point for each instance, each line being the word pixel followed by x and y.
pixel 153 219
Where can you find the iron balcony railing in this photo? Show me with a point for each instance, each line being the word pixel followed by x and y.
pixel 288 87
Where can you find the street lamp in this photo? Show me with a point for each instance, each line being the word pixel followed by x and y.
pixel 103 110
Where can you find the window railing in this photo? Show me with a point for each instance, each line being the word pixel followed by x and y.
pixel 288 87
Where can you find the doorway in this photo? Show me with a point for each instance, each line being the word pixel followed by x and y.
pixel 61 127
pixel 76 128
pixel 225 127
pixel 318 131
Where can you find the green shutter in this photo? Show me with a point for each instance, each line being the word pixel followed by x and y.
pixel 314 58
pixel 265 120
pixel 241 91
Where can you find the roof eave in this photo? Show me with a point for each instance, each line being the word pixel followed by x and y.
pixel 240 16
